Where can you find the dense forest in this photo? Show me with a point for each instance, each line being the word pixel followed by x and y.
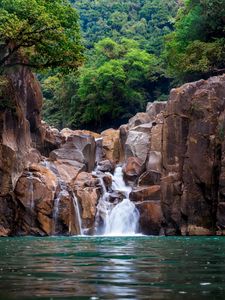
pixel 123 67
pixel 101 61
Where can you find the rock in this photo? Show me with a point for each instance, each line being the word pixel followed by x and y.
pixel 154 162
pixel 78 150
pixel 66 132
pixel 8 216
pixel 138 119
pixel 138 142
pixel 39 191
pixel 123 137
pixel 107 179
pixel 156 137
pixel 111 145
pixel 198 230
pixel 52 139
pixel 116 197
pixel 35 190
pixel 221 215
pixel 99 150
pixel 154 108
pixel 151 217
pixel 149 178
pixel 192 152
pixel 133 168
pixel 141 194
pixel 86 188
pixel 106 166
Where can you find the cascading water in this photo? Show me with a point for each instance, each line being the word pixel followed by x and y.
pixel 64 191
pixel 77 214
pixel 119 219
pixel 31 190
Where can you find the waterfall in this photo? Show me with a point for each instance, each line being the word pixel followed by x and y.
pixel 119 219
pixel 77 214
pixel 77 217
pixel 31 190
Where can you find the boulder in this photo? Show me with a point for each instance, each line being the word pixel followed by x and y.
pixel 151 217
pixel 111 145
pixel 35 191
pixel 138 142
pixel 51 139
pixel 149 178
pixel 133 168
pixel 155 108
pixel 145 193
pixel 106 166
pixel 66 132
pixel 78 150
pixel 138 119
pixel 86 189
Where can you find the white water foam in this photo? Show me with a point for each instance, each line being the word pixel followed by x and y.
pixel 120 219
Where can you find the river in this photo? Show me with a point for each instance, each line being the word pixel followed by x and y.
pixel 135 267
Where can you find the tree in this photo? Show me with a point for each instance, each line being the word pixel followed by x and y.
pixel 39 33
pixel 118 83
pixel 196 49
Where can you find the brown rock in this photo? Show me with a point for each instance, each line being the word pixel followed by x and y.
pixel 154 108
pixel 138 142
pixel 111 145
pixel 78 148
pixel 154 162
pixel 151 217
pixel 138 119
pixel 133 168
pixel 149 178
pixel 87 191
pixel 66 132
pixel 52 139
pixel 106 166
pixel 192 155
pixel 145 193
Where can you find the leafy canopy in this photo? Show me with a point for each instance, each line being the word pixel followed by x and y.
pixel 197 47
pixel 39 33
pixel 117 83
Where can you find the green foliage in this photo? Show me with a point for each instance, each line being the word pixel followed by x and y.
pixel 39 33
pixel 117 83
pixel 122 71
pixel 146 21
pixel 196 48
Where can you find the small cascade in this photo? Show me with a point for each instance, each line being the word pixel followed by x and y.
pixel 31 190
pixel 62 192
pixel 77 214
pixel 116 219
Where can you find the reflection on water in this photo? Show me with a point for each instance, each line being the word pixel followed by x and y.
pixel 112 268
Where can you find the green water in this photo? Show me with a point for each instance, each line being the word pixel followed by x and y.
pixel 112 268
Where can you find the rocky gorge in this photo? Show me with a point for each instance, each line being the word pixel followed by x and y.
pixel 172 157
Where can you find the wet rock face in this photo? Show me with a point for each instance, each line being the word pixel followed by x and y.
pixel 151 217
pixel 193 157
pixel 173 156
pixel 19 121
pixel 87 191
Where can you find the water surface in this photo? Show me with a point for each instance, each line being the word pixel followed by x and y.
pixel 112 268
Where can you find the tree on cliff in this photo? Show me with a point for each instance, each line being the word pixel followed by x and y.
pixel 196 48
pixel 39 33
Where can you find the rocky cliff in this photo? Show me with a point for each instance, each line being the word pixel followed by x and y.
pixel 173 156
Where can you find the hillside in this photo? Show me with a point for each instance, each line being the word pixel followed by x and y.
pixel 123 69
